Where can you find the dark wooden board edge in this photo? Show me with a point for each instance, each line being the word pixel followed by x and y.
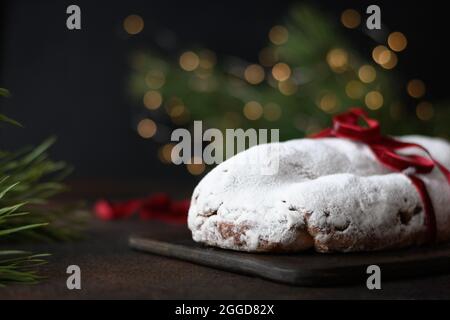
pixel 306 276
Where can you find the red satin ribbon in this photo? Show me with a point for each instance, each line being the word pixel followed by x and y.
pixel 158 206
pixel 346 125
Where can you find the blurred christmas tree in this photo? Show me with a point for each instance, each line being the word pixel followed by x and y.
pixel 307 72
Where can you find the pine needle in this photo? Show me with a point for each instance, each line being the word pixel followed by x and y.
pixel 28 178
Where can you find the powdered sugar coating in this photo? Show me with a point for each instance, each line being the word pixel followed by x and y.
pixel 331 194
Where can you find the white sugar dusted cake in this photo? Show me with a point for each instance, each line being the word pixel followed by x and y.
pixel 329 194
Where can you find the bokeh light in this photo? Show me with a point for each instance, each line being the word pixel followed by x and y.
pixel 397 41
pixel 179 114
pixel 195 168
pixel 374 100
pixel 133 24
pixel 416 88
pixel 367 73
pixel 253 110
pixel 146 128
pixel 272 111
pixel 328 102
pixel 425 111
pixel 155 79
pixel 391 60
pixel 281 71
pixel 337 59
pixel 189 61
pixel 278 35
pixel 152 99
pixel 381 54
pixel 287 87
pixel 165 153
pixel 351 18
pixel 354 89
pixel 254 74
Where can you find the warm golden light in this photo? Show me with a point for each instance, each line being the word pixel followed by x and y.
pixel 133 24
pixel 367 73
pixel 337 59
pixel 173 101
pixel 272 111
pixel 203 73
pixel 189 61
pixel 254 74
pixel 165 153
pixel 416 88
pixel 381 54
pixel 146 128
pixel 278 35
pixel 178 113
pixel 374 100
pixel 195 169
pixel 268 57
pixel 350 18
pixel 391 62
pixel 328 102
pixel 384 56
pixel 281 71
pixel 424 111
pixel 152 99
pixel 354 89
pixel 397 41
pixel 155 79
pixel 287 87
pixel 253 110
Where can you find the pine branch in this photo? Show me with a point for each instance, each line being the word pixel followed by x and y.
pixel 28 178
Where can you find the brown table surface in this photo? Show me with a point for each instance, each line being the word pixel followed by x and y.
pixel 110 269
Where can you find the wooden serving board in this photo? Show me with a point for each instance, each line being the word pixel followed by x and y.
pixel 306 268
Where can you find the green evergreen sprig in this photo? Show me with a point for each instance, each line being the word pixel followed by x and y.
pixel 28 178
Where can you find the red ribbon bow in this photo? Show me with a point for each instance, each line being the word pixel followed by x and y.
pixel 158 206
pixel 346 125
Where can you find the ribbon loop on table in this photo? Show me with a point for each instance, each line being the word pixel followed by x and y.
pixel 385 149
pixel 157 206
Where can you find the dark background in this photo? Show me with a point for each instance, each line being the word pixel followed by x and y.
pixel 72 83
